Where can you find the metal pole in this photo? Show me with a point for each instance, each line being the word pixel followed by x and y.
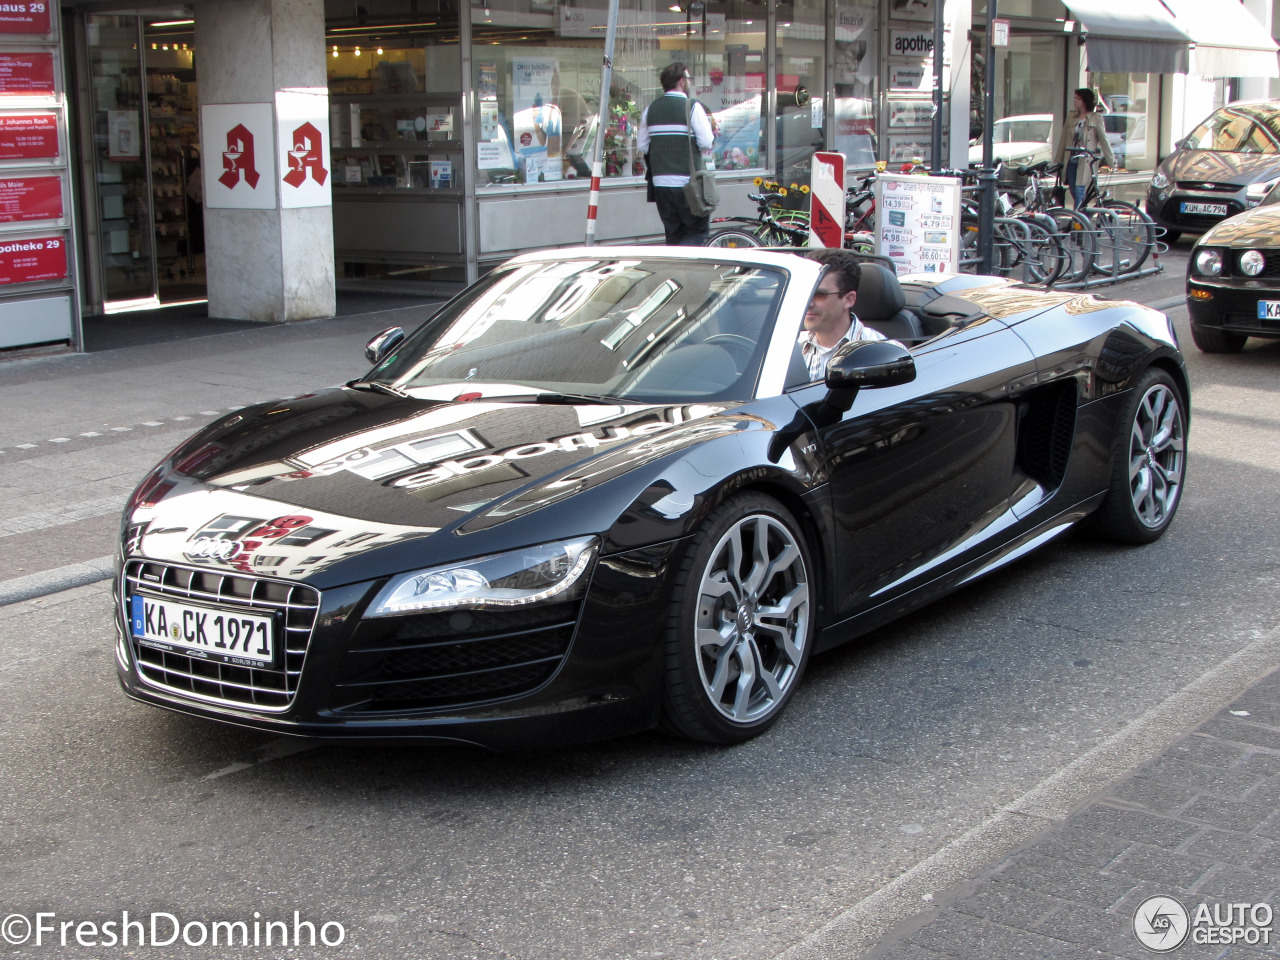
pixel 987 177
pixel 597 151
pixel 936 159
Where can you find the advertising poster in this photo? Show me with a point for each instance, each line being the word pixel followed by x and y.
pixel 441 174
pixel 918 223
pixel 903 148
pixel 909 75
pixel 124 135
pixel 25 261
pixel 26 16
pixel 911 9
pixel 23 199
pixel 855 59
pixel 910 113
pixel 27 74
pixel 28 136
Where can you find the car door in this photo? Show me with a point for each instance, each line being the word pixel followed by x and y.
pixel 920 474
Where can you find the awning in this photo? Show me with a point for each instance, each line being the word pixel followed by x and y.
pixel 1133 36
pixel 1230 42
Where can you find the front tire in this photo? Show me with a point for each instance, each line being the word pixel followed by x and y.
pixel 1217 340
pixel 1150 462
pixel 741 628
pixel 733 238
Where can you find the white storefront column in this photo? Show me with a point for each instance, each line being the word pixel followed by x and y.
pixel 268 218
pixel 1260 88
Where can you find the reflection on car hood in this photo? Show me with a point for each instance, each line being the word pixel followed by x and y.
pixel 1257 227
pixel 290 489
pixel 1211 166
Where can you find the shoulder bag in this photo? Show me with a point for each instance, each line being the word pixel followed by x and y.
pixel 700 192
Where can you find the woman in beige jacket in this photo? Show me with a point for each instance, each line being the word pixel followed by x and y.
pixel 1083 130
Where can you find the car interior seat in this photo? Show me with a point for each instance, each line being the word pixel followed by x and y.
pixel 880 305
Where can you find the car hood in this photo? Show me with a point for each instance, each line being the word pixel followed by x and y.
pixel 302 487
pixel 1257 227
pixel 1210 166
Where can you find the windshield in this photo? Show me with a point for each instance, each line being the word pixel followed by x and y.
pixel 649 330
pixel 1021 131
pixel 1230 132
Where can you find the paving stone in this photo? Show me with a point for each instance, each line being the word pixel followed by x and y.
pixel 1241 731
pixel 960 937
pixel 1007 905
pixel 1227 883
pixel 1264 764
pixel 1078 924
pixel 1241 816
pixel 1232 783
pixel 1135 825
pixel 1261 711
pixel 1265 858
pixel 903 951
pixel 1156 795
pixel 1061 878
pixel 1152 863
pixel 1230 847
pixel 1207 750
pixel 1081 846
pixel 1265 791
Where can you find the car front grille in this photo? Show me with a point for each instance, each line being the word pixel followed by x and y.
pixel 454 659
pixel 1203 186
pixel 268 689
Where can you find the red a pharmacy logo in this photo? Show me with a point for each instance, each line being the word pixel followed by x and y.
pixel 238 160
pixel 305 156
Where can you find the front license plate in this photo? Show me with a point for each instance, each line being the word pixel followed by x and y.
pixel 232 636
pixel 1212 209
pixel 1269 309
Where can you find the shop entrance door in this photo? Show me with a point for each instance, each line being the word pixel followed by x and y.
pixel 146 246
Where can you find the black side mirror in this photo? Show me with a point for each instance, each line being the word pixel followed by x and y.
pixel 866 363
pixel 383 344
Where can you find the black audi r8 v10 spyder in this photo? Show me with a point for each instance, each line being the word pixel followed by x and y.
pixel 598 492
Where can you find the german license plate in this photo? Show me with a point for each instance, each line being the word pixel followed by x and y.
pixel 1269 309
pixel 1212 209
pixel 231 636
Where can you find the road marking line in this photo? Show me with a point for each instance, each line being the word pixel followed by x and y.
pixel 31 522
pixel 273 750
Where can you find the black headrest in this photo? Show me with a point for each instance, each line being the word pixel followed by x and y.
pixel 879 295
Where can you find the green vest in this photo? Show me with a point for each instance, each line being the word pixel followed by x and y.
pixel 669 148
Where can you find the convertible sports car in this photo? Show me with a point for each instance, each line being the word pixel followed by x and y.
pixel 598 492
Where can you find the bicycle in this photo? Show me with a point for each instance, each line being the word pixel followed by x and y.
pixel 770 227
pixel 1123 227
pixel 1078 236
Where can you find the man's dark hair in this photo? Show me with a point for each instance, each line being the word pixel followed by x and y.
pixel 842 263
pixel 671 75
pixel 1088 98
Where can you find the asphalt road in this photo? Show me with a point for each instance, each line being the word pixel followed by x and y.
pixel 904 765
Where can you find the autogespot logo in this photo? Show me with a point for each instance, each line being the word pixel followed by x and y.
pixel 1161 924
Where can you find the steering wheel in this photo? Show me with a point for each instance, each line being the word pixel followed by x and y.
pixel 739 347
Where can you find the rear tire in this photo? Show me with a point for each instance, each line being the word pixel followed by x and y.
pixel 1217 340
pixel 732 237
pixel 1150 462
pixel 741 627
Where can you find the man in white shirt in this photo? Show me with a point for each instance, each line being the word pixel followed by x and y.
pixel 829 320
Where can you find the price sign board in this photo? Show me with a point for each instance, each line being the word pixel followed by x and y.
pixel 918 223
pixel 23 199
pixel 28 136
pixel 40 258
pixel 27 74
pixel 25 16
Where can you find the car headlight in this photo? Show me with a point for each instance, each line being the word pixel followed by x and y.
pixel 1254 192
pixel 1252 262
pixel 1159 180
pixel 1208 263
pixel 513 579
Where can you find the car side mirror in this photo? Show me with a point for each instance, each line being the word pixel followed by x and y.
pixel 383 343
pixel 867 363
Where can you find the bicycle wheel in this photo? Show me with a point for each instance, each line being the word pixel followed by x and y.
pixel 1079 243
pixel 732 237
pixel 1137 229
pixel 789 229
pixel 1045 260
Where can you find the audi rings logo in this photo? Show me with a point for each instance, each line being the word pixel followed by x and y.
pixel 1161 924
pixel 211 548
